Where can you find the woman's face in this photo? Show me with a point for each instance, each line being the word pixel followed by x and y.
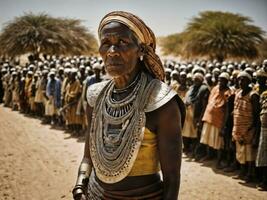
pixel 119 49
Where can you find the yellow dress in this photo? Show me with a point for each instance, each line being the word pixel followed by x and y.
pixel 147 160
pixel 73 91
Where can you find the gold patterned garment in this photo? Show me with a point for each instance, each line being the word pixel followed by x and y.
pixel 73 90
pixel 147 160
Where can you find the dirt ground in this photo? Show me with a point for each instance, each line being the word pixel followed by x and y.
pixel 40 163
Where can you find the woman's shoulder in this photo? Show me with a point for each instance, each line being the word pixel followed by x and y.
pixel 159 94
pixel 93 91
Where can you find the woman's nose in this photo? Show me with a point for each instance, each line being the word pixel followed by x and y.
pixel 113 51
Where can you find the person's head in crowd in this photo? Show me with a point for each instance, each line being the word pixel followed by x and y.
pixel 89 71
pixel 60 71
pixel 170 65
pixel 203 64
pixel 224 78
pixel 31 67
pixel 261 76
pixel 233 78
pixel 52 75
pixel 24 72
pixel 182 68
pixel 189 79
pixel 82 70
pixel 182 78
pixel 210 67
pixel 73 74
pixel 97 68
pixel 40 65
pixel 208 79
pixel 175 75
pixel 67 65
pixel 35 77
pixel 177 67
pixel 264 65
pixel 14 75
pixel 224 68
pixel 52 65
pixel 230 68
pixel 29 74
pixel 242 65
pixel 168 74
pixel 244 80
pixel 218 65
pixel 250 71
pixel 215 74
pixel 189 68
pixel 67 73
pixel 198 79
pixel 12 70
pixel 254 65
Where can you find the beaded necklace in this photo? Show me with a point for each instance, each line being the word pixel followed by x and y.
pixel 117 131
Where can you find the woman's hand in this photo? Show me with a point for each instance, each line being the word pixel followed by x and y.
pixel 80 197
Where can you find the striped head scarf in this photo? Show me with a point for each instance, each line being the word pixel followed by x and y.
pixel 144 35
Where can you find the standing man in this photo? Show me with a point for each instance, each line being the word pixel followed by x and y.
pixel 195 100
pixel 246 120
pixel 261 160
pixel 53 93
pixel 73 93
pixel 215 118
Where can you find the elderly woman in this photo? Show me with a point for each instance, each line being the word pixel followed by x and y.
pixel 135 119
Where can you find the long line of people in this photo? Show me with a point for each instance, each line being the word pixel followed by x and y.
pixel 52 89
pixel 226 116
pixel 226 105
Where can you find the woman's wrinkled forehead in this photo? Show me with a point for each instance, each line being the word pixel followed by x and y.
pixel 126 22
pixel 117 29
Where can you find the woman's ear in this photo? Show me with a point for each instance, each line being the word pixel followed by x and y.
pixel 141 50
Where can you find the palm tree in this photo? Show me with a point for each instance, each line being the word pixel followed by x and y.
pixel 44 34
pixel 221 35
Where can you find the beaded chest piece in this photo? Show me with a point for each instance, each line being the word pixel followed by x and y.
pixel 117 130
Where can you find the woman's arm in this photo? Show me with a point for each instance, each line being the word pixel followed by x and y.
pixel 86 165
pixel 170 147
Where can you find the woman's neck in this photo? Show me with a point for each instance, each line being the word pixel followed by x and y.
pixel 125 80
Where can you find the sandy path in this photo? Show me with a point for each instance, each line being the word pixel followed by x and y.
pixel 40 163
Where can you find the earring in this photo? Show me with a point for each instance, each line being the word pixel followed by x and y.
pixel 141 58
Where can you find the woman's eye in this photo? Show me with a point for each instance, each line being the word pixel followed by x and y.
pixel 122 42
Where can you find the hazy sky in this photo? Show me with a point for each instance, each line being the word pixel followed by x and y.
pixel 163 16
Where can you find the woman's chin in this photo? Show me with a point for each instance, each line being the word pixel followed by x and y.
pixel 114 73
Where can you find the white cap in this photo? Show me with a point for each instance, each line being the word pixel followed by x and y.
pixel 97 65
pixel 244 74
pixel 174 72
pixel 225 75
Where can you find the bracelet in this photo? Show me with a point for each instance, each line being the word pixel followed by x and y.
pixel 82 179
pixel 77 190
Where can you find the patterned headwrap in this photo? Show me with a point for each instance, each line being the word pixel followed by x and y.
pixel 144 35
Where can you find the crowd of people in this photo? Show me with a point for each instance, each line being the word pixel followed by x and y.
pixel 52 89
pixel 226 104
